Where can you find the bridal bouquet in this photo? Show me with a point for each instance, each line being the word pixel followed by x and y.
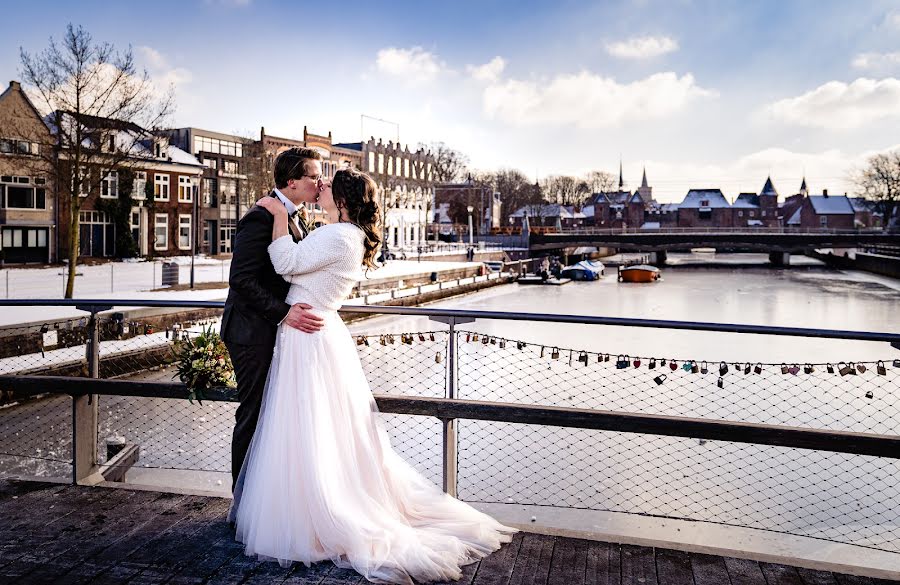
pixel 203 363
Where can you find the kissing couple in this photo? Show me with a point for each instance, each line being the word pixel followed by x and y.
pixel 314 474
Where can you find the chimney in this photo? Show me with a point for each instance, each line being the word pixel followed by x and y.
pixel 15 85
pixel 824 192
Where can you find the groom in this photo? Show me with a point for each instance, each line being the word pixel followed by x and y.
pixel 255 305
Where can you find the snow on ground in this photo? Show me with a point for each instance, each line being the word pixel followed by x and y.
pixel 134 280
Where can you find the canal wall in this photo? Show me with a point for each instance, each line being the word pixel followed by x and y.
pixel 875 263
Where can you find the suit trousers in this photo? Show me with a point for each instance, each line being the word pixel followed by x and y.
pixel 251 367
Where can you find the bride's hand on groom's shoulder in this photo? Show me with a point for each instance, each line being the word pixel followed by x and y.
pixel 273 206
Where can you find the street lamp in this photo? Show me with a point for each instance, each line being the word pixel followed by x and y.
pixel 470 210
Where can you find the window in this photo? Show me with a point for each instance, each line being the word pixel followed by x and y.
pixel 380 164
pixel 371 168
pixel 184 232
pixel 210 192
pixel 230 166
pixel 212 163
pixel 228 191
pixel 390 165
pixel 139 186
pixel 109 186
pixel 6 146
pixel 740 214
pixel 704 203
pixel 705 214
pixel 823 221
pixel 762 213
pixel 406 168
pixel 161 187
pixel 84 187
pixel 185 189
pixel 752 213
pixel 161 231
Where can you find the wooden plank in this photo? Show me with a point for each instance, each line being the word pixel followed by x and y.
pixel 84 436
pixel 567 566
pixel 638 565
pixel 811 577
pixel 708 569
pixel 497 568
pixel 468 575
pixel 532 565
pixel 673 567
pixel 15 489
pixel 312 575
pixel 156 560
pixel 780 574
pixel 104 567
pixel 604 564
pixel 853 580
pixel 221 550
pixel 744 572
pixel 115 468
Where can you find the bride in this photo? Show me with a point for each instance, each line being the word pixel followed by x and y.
pixel 320 480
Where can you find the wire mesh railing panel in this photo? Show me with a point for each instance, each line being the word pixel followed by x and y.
pixel 53 348
pixel 171 433
pixel 861 396
pixel 407 364
pixel 832 496
pixel 36 438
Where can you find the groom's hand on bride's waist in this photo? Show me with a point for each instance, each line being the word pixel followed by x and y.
pixel 299 317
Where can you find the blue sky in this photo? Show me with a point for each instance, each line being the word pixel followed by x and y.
pixel 705 94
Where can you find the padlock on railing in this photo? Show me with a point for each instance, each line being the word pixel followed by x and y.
pixel 621 362
pixel 747 368
pixel 721 382
pixel 695 369
pixel 723 369
pixel 844 369
pixel 829 368
pixel 757 369
pixel 784 368
pixel 555 353
pixel 637 362
pixel 808 369
pixel 880 369
pixel 704 368
pixel 861 368
pixel 651 365
pixel 660 379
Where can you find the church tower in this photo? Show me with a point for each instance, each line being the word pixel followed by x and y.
pixel 645 190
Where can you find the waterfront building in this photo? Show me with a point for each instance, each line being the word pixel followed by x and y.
pixel 27 198
pixel 823 211
pixel 704 208
pixel 620 208
pixel 139 184
pixel 225 193
pixel 406 188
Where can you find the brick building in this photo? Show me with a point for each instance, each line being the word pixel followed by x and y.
pixel 704 208
pixel 138 184
pixel 27 203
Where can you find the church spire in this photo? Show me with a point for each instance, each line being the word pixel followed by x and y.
pixel 621 178
pixel 644 179
pixel 803 189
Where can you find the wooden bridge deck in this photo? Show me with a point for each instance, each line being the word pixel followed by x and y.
pixel 62 534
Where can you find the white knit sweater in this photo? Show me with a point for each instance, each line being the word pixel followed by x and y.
pixel 323 267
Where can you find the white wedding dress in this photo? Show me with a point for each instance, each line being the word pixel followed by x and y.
pixel 321 480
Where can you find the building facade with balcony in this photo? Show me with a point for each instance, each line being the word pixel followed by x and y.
pixel 27 202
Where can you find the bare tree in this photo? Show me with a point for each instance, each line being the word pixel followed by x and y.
pixel 514 188
pixel 98 106
pixel 450 166
pixel 879 181
pixel 601 182
pixel 565 190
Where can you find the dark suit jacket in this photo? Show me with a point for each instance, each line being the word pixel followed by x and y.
pixel 255 304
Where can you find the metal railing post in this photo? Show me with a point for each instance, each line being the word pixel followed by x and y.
pixel 85 408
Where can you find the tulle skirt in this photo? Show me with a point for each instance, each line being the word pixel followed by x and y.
pixel 321 481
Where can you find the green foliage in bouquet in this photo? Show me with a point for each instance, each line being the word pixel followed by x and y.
pixel 203 363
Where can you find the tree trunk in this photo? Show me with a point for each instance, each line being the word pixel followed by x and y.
pixel 74 244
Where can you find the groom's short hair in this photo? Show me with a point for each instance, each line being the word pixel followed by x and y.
pixel 291 164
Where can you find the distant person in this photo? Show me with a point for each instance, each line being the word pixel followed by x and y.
pixel 321 480
pixel 545 268
pixel 470 254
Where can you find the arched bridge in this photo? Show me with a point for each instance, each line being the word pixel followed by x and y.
pixel 780 240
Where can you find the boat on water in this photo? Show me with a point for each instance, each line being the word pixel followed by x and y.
pixel 584 270
pixel 638 273
pixel 536 279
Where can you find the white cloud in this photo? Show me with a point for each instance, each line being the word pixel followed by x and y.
pixel 490 71
pixel 414 65
pixel 642 47
pixel 892 19
pixel 876 61
pixel 838 105
pixel 588 100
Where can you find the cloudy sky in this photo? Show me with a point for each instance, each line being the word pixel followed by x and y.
pixel 704 93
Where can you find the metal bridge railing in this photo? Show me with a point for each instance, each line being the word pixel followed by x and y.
pixel 806 449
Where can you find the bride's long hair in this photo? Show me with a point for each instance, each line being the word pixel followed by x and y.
pixel 356 192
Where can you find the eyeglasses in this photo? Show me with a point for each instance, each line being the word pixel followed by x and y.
pixel 315 178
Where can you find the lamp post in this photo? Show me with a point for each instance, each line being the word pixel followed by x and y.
pixel 470 209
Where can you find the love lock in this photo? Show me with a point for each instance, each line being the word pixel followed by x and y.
pixel 844 369
pixel 721 382
pixel 421 337
pixel 555 353
pixel 808 369
pixel 431 336
pixel 869 394
pixel 794 370
pixel 880 369
pixel 861 368
pixel 747 368
pixel 621 362
pixel 493 341
pixel 673 365
pixel 784 368
pixel 502 343
pixel 686 366
pixel 637 362
pixel 853 369
pixel 704 368
pixel 660 379
pixel 757 369
pixel 695 369
pixel 583 357
pixel 829 368
pixel 723 369
pixel 437 358
pixel 896 363
pixel 652 364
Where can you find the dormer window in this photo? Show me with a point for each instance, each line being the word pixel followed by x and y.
pixel 704 203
